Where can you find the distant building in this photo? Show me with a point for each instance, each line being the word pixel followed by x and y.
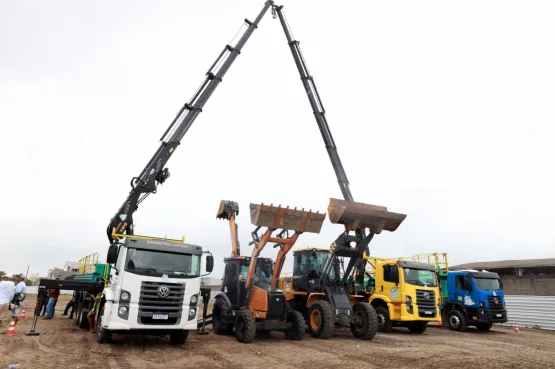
pixel 520 277
pixel 69 269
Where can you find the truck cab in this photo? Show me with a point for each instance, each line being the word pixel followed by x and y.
pixel 404 293
pixel 472 298
pixel 153 288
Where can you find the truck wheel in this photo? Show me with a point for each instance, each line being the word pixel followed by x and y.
pixel 82 321
pixel 245 327
pixel 484 326
pixel 321 320
pixel 179 337
pixel 218 325
pixel 455 320
pixel 418 327
pixel 384 322
pixel 366 325
pixel 296 332
pixel 102 335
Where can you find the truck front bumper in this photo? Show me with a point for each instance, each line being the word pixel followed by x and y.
pixel 490 316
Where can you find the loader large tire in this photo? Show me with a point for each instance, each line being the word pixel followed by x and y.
pixel 321 319
pixel 245 327
pixel 296 333
pixel 366 325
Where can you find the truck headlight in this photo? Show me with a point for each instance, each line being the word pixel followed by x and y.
pixel 123 310
pixel 192 313
pixel 408 300
pixel 482 305
pixel 193 300
pixel 124 295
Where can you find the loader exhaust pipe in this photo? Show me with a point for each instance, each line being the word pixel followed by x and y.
pixel 276 217
pixel 356 215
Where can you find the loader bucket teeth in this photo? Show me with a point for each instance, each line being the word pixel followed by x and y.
pixel 356 215
pixel 285 218
pixel 226 209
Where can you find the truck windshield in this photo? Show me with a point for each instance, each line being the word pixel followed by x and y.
pixel 157 263
pixel 487 284
pixel 420 277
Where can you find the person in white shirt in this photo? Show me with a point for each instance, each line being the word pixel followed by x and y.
pixel 19 295
pixel 6 295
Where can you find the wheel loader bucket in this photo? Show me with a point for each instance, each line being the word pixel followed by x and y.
pixel 285 218
pixel 226 209
pixel 359 215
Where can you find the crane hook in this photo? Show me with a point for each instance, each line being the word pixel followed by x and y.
pixel 274 13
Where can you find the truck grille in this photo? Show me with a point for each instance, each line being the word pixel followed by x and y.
pixel 151 303
pixel 495 302
pixel 426 303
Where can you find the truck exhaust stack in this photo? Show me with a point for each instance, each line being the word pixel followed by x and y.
pixel 356 215
pixel 284 218
pixel 226 209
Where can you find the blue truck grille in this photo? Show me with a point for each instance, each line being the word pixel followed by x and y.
pixel 150 302
pixel 495 302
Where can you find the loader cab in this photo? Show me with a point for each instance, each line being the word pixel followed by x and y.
pixel 307 268
pixel 235 276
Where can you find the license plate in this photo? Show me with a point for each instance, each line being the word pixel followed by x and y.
pixel 428 312
pixel 160 316
pixel 499 315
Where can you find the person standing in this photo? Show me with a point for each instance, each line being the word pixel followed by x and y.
pixel 6 295
pixel 71 304
pixel 92 313
pixel 19 295
pixel 53 296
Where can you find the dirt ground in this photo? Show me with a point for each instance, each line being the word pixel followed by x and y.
pixel 62 345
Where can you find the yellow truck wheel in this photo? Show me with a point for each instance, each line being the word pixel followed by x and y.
pixel 384 322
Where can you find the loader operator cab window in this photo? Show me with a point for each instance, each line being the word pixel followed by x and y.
pixel 301 264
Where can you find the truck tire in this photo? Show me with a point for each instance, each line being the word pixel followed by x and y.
pixel 102 335
pixel 179 337
pixel 321 319
pixel 456 321
pixel 484 326
pixel 245 327
pixel 418 327
pixel 384 321
pixel 366 325
pixel 296 332
pixel 218 325
pixel 82 321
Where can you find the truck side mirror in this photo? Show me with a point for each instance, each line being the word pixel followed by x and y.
pixel 209 263
pixel 395 274
pixel 467 284
pixel 112 256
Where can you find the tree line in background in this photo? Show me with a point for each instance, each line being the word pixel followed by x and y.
pixel 28 282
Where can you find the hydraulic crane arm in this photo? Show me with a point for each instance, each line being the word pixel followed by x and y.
pixel 316 104
pixel 154 173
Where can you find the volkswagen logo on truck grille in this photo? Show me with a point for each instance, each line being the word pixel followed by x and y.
pixel 426 296
pixel 495 301
pixel 163 291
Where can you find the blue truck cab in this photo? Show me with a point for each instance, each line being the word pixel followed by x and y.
pixel 472 298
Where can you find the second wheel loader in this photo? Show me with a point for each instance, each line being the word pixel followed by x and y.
pixel 320 287
pixel 249 301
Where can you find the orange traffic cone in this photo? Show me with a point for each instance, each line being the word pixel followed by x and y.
pixel 11 329
pixel 22 314
pixel 516 328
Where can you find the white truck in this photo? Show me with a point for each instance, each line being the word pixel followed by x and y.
pixel 154 288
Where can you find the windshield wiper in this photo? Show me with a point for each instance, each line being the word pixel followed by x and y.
pixel 177 272
pixel 150 270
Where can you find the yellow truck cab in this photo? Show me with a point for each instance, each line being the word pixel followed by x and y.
pixel 403 293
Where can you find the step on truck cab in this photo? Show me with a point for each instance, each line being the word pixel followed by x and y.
pixel 472 298
pixel 153 288
pixel 404 293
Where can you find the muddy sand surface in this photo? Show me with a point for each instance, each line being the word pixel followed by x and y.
pixel 62 345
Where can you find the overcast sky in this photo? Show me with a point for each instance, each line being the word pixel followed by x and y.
pixel 440 110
